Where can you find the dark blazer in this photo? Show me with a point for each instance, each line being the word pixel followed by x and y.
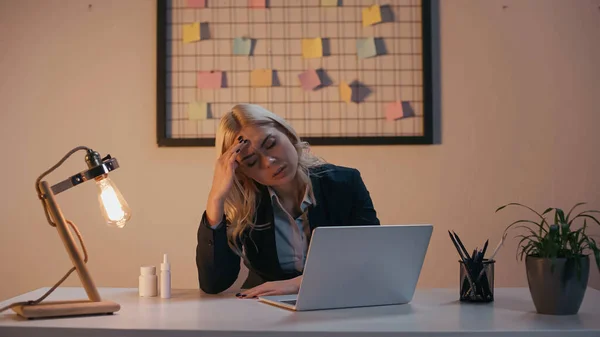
pixel 342 199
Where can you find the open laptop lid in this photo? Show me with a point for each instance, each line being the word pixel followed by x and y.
pixel 351 266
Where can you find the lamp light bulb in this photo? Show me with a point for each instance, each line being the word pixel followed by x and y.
pixel 114 208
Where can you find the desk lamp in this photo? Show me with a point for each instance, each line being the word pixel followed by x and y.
pixel 116 213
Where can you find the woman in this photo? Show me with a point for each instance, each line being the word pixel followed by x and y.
pixel 267 196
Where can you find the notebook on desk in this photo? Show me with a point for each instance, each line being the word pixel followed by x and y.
pixel 356 266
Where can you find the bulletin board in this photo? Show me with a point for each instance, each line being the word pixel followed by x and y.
pixel 342 72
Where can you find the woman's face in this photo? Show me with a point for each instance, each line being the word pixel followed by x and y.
pixel 269 158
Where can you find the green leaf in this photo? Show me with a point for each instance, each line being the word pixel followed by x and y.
pixel 527 236
pixel 523 247
pixel 556 217
pixel 528 251
pixel 572 208
pixel 500 208
pixel 517 204
pixel 547 210
pixel 584 213
pixel 531 231
pixel 523 238
pixel 561 215
pixel 542 229
pixel 578 232
pixel 574 241
pixel 589 217
pixel 581 242
pixel 565 234
pixel 594 248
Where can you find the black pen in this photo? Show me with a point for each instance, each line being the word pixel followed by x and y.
pixel 484 249
pixel 462 246
pixel 464 261
pixel 462 256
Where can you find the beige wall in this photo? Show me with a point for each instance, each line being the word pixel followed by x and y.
pixel 519 97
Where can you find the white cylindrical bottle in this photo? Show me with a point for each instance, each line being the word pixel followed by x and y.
pixel 148 285
pixel 165 278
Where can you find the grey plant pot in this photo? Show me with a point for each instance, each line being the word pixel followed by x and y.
pixel 559 291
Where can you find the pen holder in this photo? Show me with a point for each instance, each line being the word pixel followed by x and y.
pixel 477 281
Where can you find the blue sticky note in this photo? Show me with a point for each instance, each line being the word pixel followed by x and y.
pixel 242 46
pixel 366 47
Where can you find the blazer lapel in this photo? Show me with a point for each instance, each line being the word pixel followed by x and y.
pixel 261 245
pixel 316 214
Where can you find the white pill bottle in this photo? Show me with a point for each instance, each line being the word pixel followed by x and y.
pixel 148 283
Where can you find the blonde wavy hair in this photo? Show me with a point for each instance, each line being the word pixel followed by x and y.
pixel 241 202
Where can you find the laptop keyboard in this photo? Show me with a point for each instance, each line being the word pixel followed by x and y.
pixel 292 302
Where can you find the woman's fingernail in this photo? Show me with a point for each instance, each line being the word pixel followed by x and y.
pixel 240 138
pixel 243 295
pixel 237 151
pixel 245 140
pixel 238 295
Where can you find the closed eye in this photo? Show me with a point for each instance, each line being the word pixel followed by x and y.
pixel 270 144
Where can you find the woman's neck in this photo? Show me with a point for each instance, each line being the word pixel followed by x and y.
pixel 290 191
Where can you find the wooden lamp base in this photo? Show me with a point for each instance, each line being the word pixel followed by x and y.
pixel 66 308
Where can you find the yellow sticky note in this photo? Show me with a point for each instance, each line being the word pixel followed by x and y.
pixel 345 92
pixel 312 48
pixel 329 3
pixel 261 78
pixel 191 32
pixel 371 15
pixel 197 110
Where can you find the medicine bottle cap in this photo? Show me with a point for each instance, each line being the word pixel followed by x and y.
pixel 148 270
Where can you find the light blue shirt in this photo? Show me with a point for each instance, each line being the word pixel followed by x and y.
pixel 291 235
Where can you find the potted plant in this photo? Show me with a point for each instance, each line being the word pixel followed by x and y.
pixel 557 260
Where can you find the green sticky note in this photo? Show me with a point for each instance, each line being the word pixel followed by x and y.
pixel 197 110
pixel 242 46
pixel 366 47
pixel 329 3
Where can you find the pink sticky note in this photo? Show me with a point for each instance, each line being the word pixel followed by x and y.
pixel 210 79
pixel 394 111
pixel 309 79
pixel 257 3
pixel 196 3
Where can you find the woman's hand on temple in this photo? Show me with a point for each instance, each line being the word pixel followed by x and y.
pixel 291 286
pixel 225 170
pixel 222 181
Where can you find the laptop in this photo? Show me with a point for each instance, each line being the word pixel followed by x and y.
pixel 357 266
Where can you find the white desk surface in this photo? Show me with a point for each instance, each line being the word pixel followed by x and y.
pixel 433 312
